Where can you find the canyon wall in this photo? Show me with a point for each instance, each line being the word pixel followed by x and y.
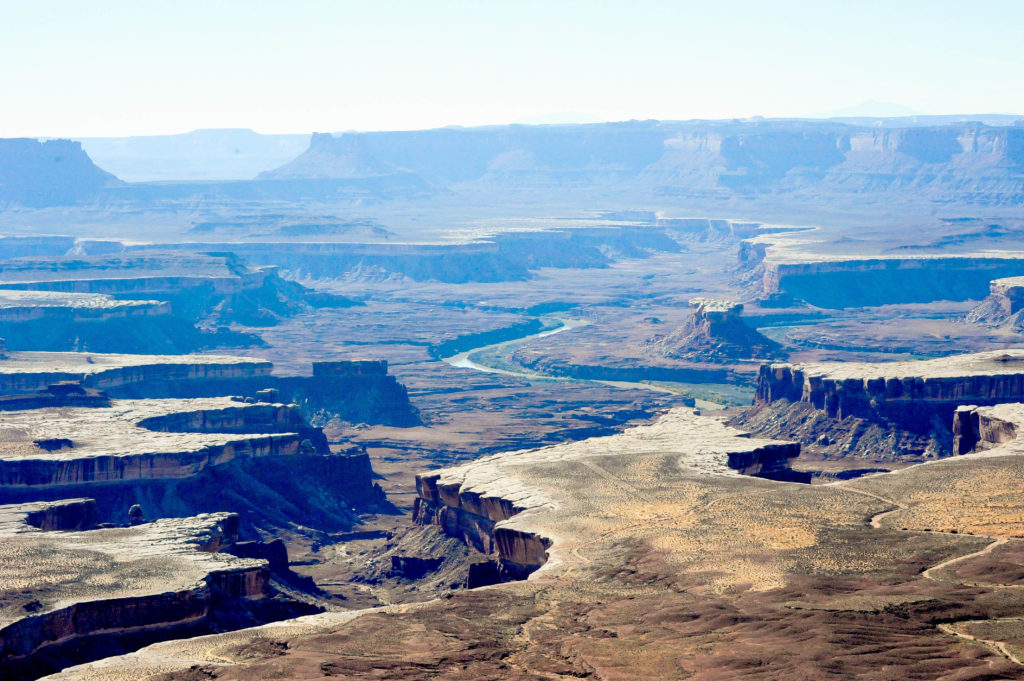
pixel 908 394
pixel 357 391
pixel 863 282
pixel 124 468
pixel 1004 306
pixel 65 623
pixel 978 428
pixel 482 503
pixel 471 518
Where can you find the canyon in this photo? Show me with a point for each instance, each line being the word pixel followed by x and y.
pixel 637 569
pixel 72 590
pixel 653 399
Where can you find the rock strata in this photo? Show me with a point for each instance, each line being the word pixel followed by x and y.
pixel 715 332
pixel 61 589
pixel 888 411
pixel 141 440
pixel 491 507
pixel 979 428
pixel 1004 306
pixel 906 393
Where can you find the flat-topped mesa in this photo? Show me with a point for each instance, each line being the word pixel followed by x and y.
pixel 128 586
pixel 357 391
pixel 832 281
pixel 207 288
pixel 25 306
pixel 26 372
pixel 140 440
pixel 1009 292
pixel 520 506
pixel 715 332
pixel 60 394
pixel 155 272
pixel 713 310
pixel 908 394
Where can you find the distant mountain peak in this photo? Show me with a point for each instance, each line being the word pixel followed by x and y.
pixel 872 108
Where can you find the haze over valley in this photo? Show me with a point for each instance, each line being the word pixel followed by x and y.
pixel 714 387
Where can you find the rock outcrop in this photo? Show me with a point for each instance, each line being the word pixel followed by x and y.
pixel 356 391
pixel 979 428
pixel 144 300
pixel 121 374
pixel 181 456
pixel 144 440
pixel 663 564
pixel 1004 306
pixel 75 593
pixel 886 411
pixel 716 333
pixel 508 256
pixel 843 282
pixel 904 392
pixel 491 507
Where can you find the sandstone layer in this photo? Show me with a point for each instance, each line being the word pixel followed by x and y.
pixel 64 584
pixel 907 393
pixel 880 412
pixel 664 562
pixel 716 333
pixel 482 502
pixel 141 440
pixel 32 371
pixel 1004 306
pixel 356 391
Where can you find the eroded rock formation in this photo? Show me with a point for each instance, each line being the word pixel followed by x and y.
pixel 71 596
pixel 884 410
pixel 166 301
pixel 1003 307
pixel 490 509
pixel 664 563
pixel 715 332
pixel 357 391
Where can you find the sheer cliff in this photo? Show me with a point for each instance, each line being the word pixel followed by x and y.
pixel 965 162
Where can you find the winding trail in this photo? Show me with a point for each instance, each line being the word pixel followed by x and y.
pixel 952 628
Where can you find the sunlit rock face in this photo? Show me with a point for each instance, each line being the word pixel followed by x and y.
pixel 886 411
pixel 64 581
pixel 715 332
pixel 177 457
pixel 1003 308
pixel 901 391
pixel 490 505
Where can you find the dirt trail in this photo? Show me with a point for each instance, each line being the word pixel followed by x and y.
pixel 951 628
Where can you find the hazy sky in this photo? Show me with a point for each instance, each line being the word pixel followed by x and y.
pixel 121 67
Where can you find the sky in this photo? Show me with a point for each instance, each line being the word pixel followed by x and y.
pixel 133 67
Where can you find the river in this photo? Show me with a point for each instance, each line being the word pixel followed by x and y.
pixel 463 361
